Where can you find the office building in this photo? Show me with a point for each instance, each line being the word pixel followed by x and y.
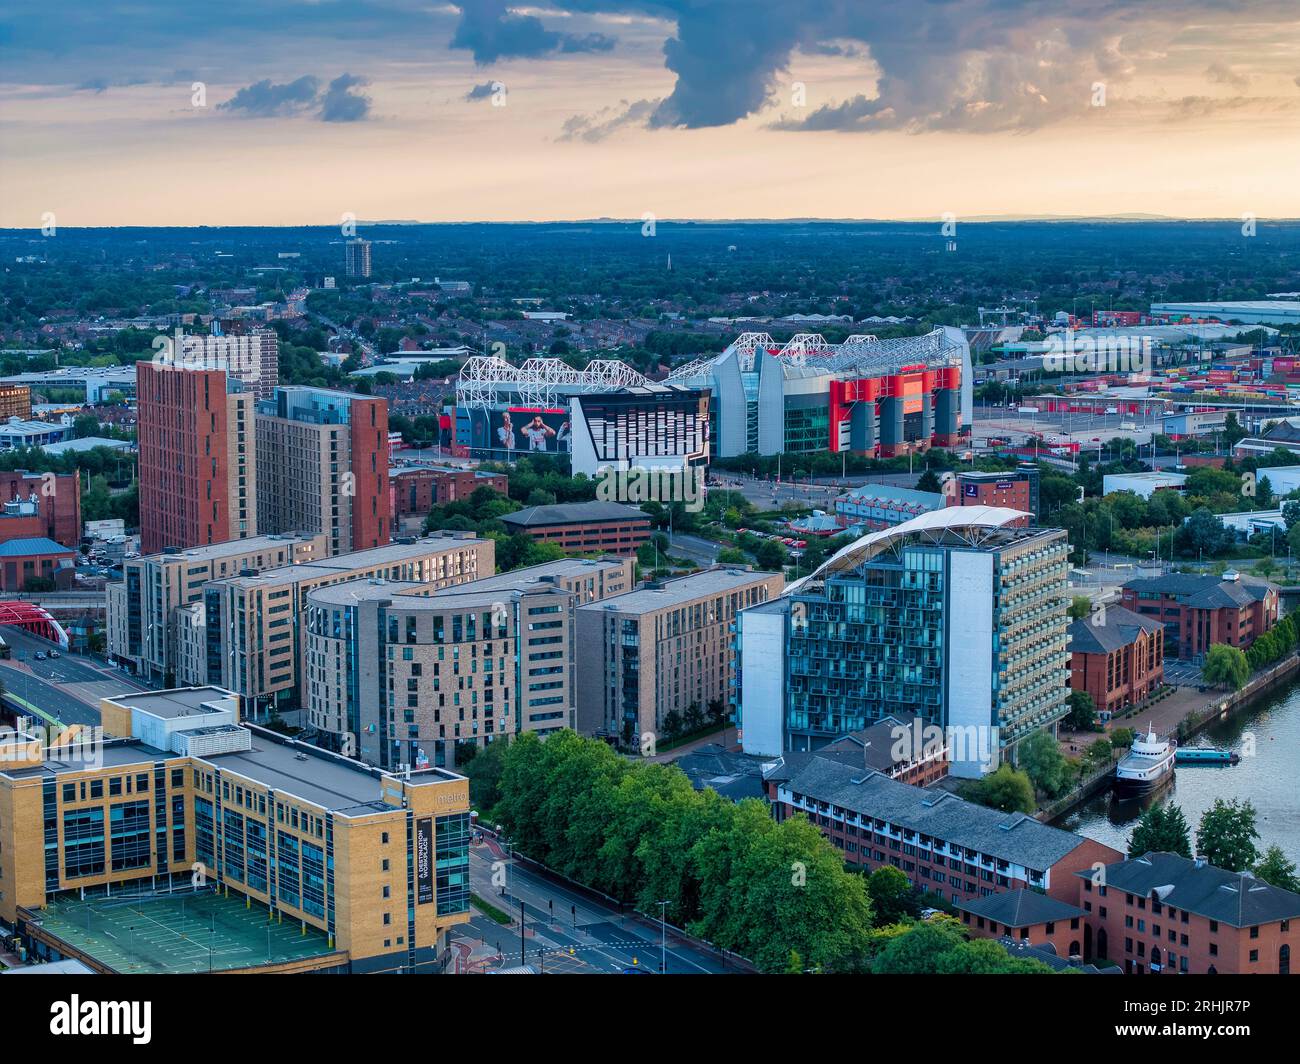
pixel 41 504
pixel 1199 611
pixel 405 673
pixel 147 617
pixel 1016 489
pixel 15 401
pixel 1117 657
pixel 1162 913
pixel 324 466
pixel 957 616
pixel 415 490
pixel 28 564
pixel 197 458
pixel 583 527
pixel 662 649
pixel 353 869
pixel 251 633
pixel 356 258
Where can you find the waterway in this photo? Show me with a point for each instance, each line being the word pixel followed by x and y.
pixel 1270 779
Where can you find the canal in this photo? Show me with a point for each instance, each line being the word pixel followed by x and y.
pixel 1270 779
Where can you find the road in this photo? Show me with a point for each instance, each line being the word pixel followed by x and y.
pixel 702 552
pixel 68 687
pixel 565 931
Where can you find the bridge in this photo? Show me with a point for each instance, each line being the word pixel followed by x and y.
pixel 35 619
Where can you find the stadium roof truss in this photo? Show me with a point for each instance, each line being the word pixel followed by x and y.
pixel 539 380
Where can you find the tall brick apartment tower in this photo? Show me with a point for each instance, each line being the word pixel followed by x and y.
pixel 324 467
pixel 198 468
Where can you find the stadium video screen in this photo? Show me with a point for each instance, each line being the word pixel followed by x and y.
pixel 506 433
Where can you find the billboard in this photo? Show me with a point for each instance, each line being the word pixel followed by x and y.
pixel 424 860
pixel 505 433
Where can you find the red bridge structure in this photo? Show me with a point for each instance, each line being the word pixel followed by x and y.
pixel 35 619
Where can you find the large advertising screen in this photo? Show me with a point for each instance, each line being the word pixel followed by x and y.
pixel 505 433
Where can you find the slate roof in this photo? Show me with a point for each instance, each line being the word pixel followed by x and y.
pixel 573 513
pixel 1206 592
pixel 1020 908
pixel 1013 837
pixel 1120 628
pixel 1234 898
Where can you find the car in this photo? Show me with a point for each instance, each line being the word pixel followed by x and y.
pixel 54 653
pixel 41 655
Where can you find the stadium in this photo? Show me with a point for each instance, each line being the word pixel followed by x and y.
pixel 869 396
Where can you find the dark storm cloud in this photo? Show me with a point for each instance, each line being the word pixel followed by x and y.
pixel 489 30
pixel 265 98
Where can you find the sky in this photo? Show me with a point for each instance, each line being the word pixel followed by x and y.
pixel 293 112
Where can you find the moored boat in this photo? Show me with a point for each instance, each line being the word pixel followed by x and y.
pixel 1205 755
pixel 1148 765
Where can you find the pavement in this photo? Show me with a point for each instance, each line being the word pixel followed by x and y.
pixel 565 932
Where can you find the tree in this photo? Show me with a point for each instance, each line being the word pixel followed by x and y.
pixel 1083 712
pixel 1202 535
pixel 1275 869
pixel 1005 789
pixel 929 481
pixel 1227 834
pixel 484 774
pixel 1080 607
pixel 1162 829
pixel 892 896
pixel 1291 513
pixel 1226 667
pixel 1041 758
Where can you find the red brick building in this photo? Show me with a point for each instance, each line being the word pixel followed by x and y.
pixel 197 458
pixel 897 746
pixel 1117 657
pixel 1198 611
pixel 584 527
pixel 416 490
pixel 1026 916
pixel 1161 913
pixel 38 558
pixel 53 510
pixel 942 843
pixel 1016 490
pixel 15 401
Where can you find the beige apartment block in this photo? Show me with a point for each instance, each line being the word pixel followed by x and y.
pixel 662 648
pixel 142 624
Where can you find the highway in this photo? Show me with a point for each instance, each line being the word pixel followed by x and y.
pixel 67 688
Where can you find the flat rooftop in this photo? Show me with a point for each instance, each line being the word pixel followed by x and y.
pixel 177 934
pixel 342 564
pixel 232 547
pixel 178 702
pixel 682 590
pixel 111 755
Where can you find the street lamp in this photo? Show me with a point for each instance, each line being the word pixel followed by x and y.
pixel 663 939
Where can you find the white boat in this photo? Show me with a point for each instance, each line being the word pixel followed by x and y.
pixel 1149 764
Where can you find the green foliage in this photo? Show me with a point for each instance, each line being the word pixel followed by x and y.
pixel 938 948
pixel 1227 833
pixel 1083 712
pixel 1225 667
pixel 484 774
pixel 1006 788
pixel 1274 868
pixel 1080 607
pixel 892 896
pixel 1041 758
pixel 1162 829
pixel 728 871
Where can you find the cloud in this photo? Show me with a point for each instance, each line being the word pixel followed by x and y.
pixel 341 104
pixel 482 92
pixel 490 31
pixel 338 103
pixel 1222 74
pixel 608 120
pixel 265 99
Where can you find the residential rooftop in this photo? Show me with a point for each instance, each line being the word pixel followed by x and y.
pixel 1207 592
pixel 1108 629
pixel 648 599
pixel 1020 908
pixel 230 548
pixel 342 564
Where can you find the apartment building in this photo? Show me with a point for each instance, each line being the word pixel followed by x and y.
pixel 942 843
pixel 661 649
pixel 372 868
pixel 405 673
pixel 356 258
pixel 1161 913
pixel 251 357
pixel 197 458
pixel 958 616
pixel 254 625
pixel 15 401
pixel 324 466
pixel 149 614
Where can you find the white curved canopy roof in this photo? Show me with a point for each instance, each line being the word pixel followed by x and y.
pixel 948 519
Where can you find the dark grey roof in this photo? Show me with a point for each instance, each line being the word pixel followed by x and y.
pixel 1234 898
pixel 1206 592
pixel 1046 954
pixel 1020 908
pixel 1011 837
pixel 573 513
pixel 1120 627
pixel 733 775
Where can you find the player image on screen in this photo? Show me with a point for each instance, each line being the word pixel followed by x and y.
pixel 537 431
pixel 506 433
pixel 564 439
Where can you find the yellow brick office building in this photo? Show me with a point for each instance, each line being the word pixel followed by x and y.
pixel 181 797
